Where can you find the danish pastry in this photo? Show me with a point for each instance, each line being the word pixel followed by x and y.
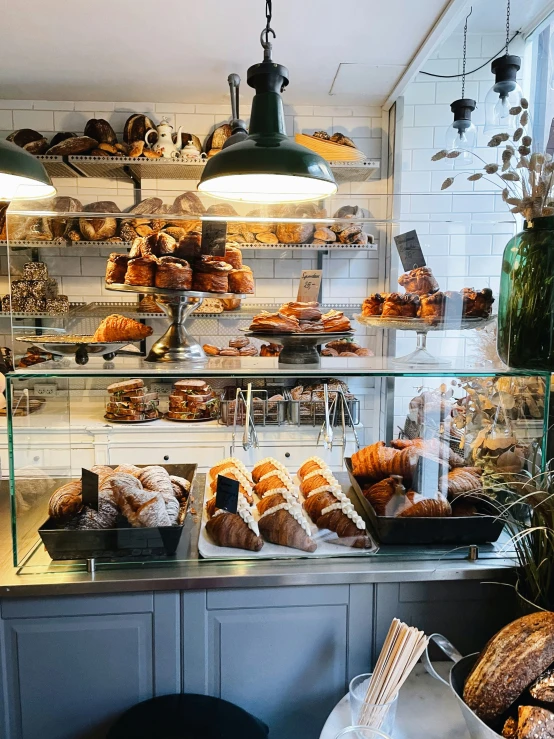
pixel 419 281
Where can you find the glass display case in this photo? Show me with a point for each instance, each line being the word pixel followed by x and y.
pixel 179 334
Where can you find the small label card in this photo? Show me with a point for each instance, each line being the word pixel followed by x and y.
pixel 89 492
pixel 427 474
pixel 310 282
pixel 227 494
pixel 409 250
pixel 214 236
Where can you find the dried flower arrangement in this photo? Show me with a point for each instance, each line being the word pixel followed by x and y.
pixel 526 177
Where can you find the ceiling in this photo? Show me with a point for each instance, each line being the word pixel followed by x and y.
pixel 183 50
pixel 489 16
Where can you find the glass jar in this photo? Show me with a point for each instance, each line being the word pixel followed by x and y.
pixel 526 303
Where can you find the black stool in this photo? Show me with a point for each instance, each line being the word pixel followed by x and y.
pixel 187 716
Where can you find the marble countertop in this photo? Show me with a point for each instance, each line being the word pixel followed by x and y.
pixel 427 709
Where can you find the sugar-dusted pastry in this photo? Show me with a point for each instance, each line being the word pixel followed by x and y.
pixel 535 722
pixel 173 274
pixel 141 271
pixel 66 501
pixel 181 487
pixel 116 268
pixel 419 281
pixel 238 530
pixel 286 524
pixel 373 306
pixel 400 306
pixel 274 322
pixel 310 465
pixel 210 275
pixel 142 508
pixel 120 328
pixel 477 303
pixel 272 481
pixel 241 280
pixel 303 311
pixel 103 518
pixel 335 321
pixel 130 469
pixel 155 477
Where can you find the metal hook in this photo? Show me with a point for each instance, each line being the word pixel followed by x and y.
pixel 266 45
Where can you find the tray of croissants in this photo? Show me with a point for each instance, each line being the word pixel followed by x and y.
pixel 281 514
pixel 140 512
pixel 420 491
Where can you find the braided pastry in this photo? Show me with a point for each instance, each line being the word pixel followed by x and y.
pixel 142 508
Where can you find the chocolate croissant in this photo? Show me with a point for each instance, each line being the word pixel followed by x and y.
pixel 231 530
pixel 120 328
pixel 286 525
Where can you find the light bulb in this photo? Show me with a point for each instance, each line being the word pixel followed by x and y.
pixel 462 135
pixel 505 95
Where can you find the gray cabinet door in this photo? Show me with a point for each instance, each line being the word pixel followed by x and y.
pixel 280 653
pixel 70 675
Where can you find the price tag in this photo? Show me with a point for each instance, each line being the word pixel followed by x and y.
pixel 227 494
pixel 214 237
pixel 550 144
pixel 89 492
pixel 310 282
pixel 409 250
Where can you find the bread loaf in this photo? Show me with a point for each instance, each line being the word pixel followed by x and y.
pixel 59 227
pixel 294 233
pixel 136 127
pixel 509 663
pixel 40 146
pixel 99 229
pixel 57 138
pixel 99 129
pixel 24 136
pixel 535 722
pixel 73 145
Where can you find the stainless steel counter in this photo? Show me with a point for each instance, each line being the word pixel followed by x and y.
pixel 190 573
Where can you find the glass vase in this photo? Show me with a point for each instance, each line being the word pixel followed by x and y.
pixel 526 303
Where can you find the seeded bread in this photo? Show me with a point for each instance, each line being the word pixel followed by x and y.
pixel 509 663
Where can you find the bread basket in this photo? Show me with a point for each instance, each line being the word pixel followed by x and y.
pixel 458 674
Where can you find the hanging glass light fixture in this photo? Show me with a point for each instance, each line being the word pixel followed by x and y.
pixel 22 176
pixel 462 134
pixel 503 101
pixel 267 167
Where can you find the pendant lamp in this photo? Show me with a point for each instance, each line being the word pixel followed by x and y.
pixel 462 135
pixel 267 167
pixel 22 176
pixel 503 100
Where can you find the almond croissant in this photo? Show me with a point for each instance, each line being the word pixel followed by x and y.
pixel 119 328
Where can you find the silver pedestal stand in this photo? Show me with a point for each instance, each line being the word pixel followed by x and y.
pixel 176 345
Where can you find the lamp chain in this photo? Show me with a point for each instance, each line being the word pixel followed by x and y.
pixel 268 16
pixel 465 55
pixel 507 26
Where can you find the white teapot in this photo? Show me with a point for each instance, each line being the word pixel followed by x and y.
pixel 165 144
pixel 191 153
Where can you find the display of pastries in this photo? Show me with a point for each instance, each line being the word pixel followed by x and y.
pixel 345 348
pixel 131 400
pixel 35 292
pixel 295 317
pixel 145 496
pixel 173 273
pixel 239 347
pixel 192 400
pixel 117 328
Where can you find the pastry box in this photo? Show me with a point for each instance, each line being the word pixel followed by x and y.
pixel 456 530
pixel 121 542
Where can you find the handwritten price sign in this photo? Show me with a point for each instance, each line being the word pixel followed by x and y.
pixel 310 282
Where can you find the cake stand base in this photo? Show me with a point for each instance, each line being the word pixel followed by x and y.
pixel 176 345
pixel 420 357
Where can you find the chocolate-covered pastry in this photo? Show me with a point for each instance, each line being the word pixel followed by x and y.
pixel 477 303
pixel 373 306
pixel 419 281
pixel 210 275
pixel 116 268
pixel 141 271
pixel 173 273
pixel 303 311
pixel 241 280
pixel 400 306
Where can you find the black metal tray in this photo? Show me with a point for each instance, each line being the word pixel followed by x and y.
pixel 121 542
pixel 460 530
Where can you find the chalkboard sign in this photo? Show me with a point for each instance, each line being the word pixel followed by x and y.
pixel 227 494
pixel 409 250
pixel 214 237
pixel 89 491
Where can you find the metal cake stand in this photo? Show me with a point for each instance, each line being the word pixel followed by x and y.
pixel 421 357
pixel 176 345
pixel 300 348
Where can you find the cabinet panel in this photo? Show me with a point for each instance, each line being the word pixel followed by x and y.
pixel 286 665
pixel 150 453
pixel 69 677
pixel 292 454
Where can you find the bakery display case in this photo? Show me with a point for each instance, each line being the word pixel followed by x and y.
pixel 147 362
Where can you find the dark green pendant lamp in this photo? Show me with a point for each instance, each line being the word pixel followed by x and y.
pixel 22 176
pixel 267 167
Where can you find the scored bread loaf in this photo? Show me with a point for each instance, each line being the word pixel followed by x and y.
pixel 509 663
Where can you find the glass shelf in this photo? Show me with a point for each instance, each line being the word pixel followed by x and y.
pixel 267 367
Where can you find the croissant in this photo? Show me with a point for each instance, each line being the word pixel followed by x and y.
pixel 230 530
pixel 234 474
pixel 275 498
pixel 119 328
pixel 285 525
pixel 346 523
pixel 461 481
pixel 310 465
pixel 66 501
pixel 378 461
pixel 432 448
pixel 314 504
pixel 272 481
pixel 140 507
pixel 231 462
pixel 317 479
pixel 426 507
pixel 264 466
pixel 156 478
pixel 381 493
